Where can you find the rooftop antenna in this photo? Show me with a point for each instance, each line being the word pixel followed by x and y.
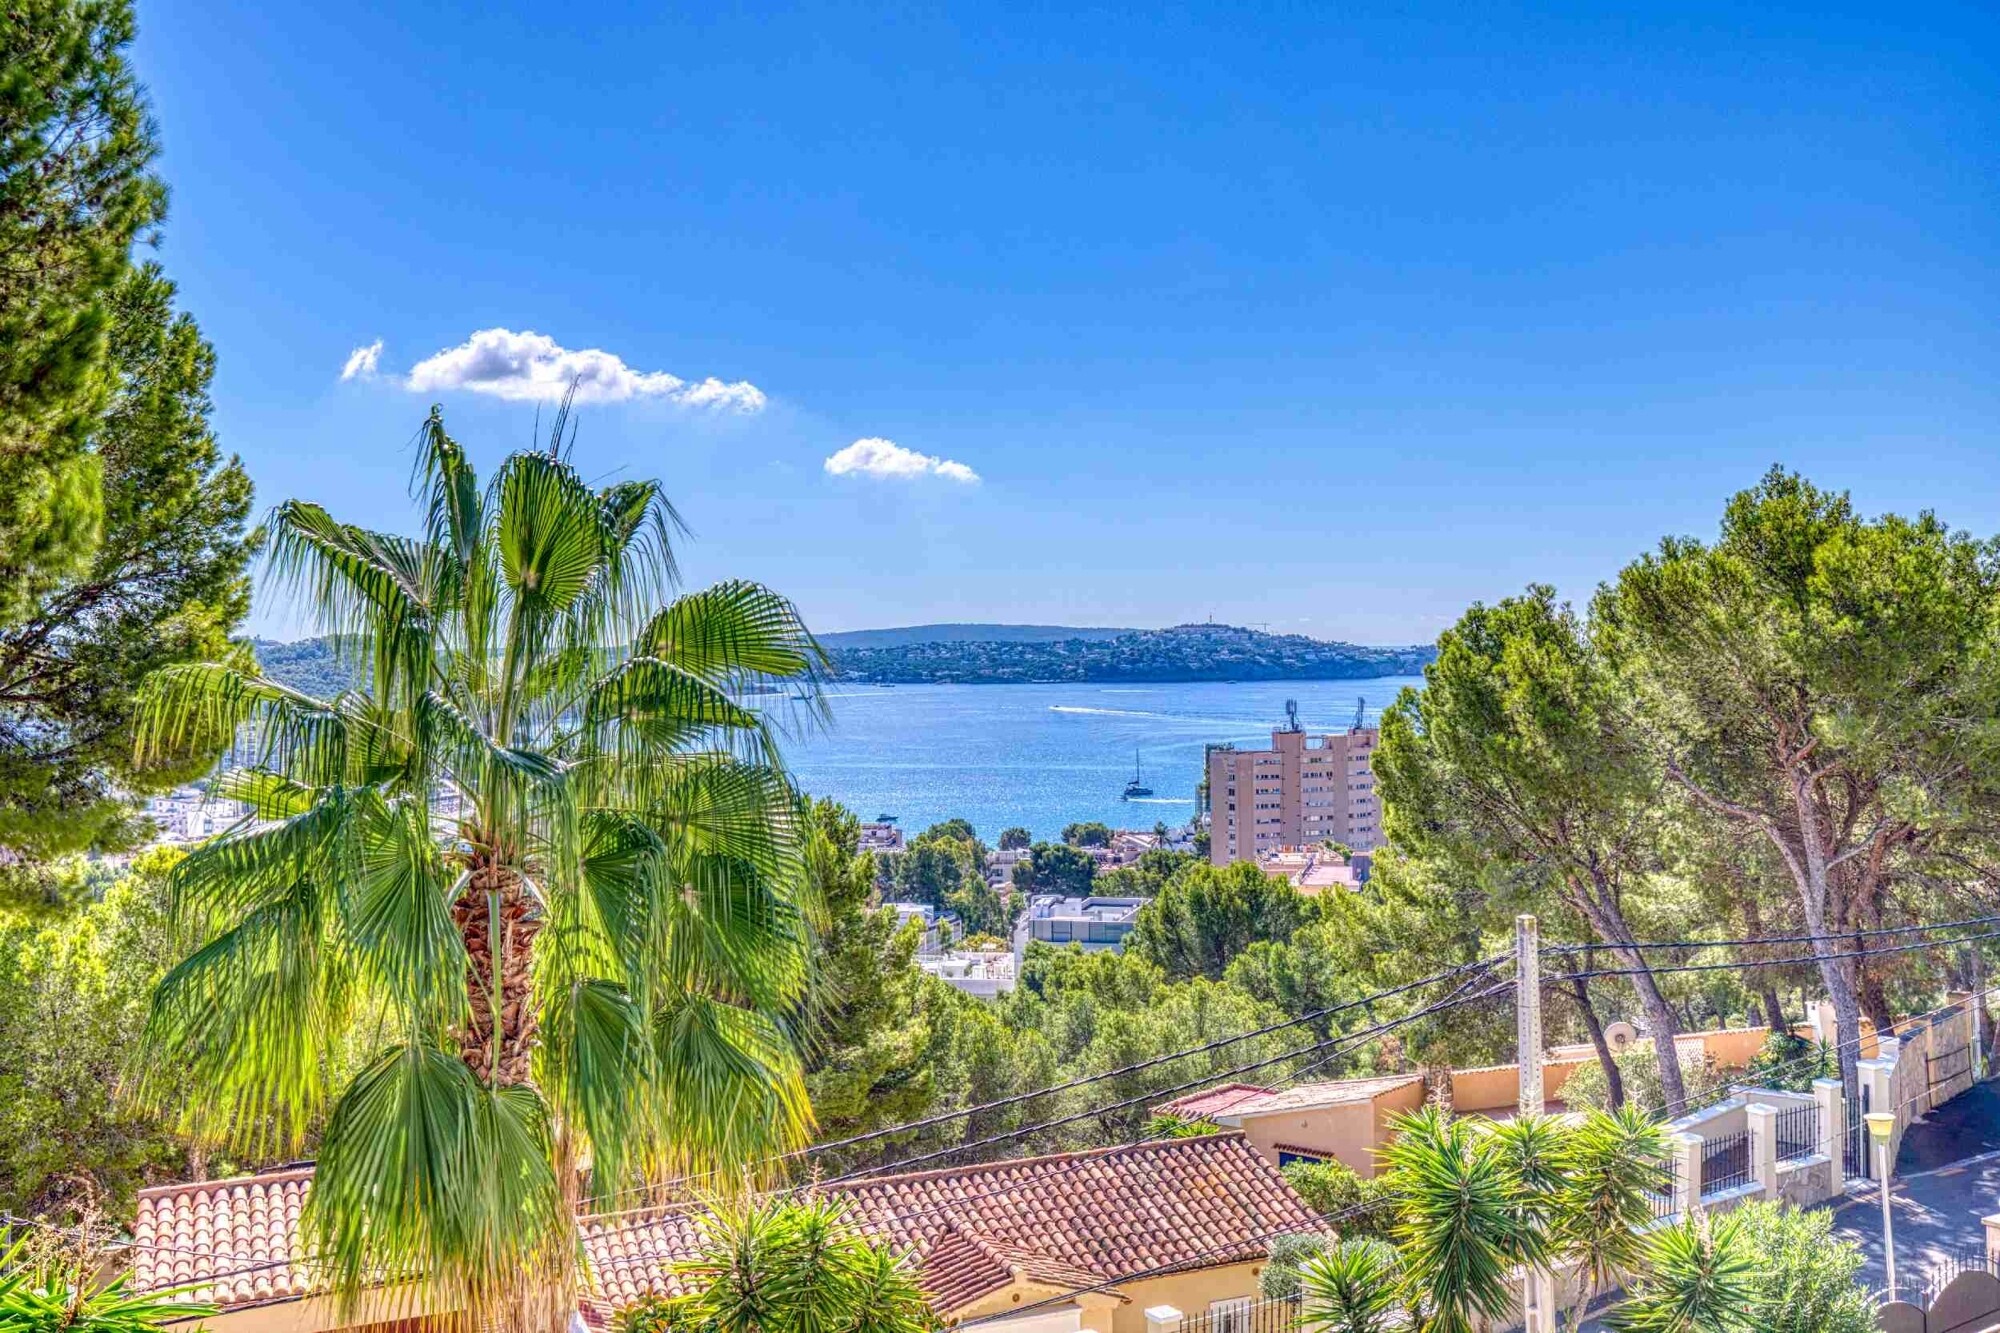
pixel 1360 705
pixel 1292 715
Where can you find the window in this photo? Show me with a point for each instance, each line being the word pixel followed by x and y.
pixel 1230 1316
pixel 1287 1156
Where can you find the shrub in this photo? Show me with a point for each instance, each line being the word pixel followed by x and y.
pixel 1587 1089
pixel 1289 1255
pixel 1807 1279
pixel 1791 1062
pixel 1333 1187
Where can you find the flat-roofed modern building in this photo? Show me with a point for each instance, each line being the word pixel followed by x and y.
pixel 1301 792
pixel 1094 923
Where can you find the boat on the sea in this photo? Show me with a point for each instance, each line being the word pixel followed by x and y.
pixel 1137 786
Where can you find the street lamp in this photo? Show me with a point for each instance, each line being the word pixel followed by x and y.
pixel 1881 1124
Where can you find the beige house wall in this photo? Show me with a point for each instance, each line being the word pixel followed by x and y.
pixel 400 1311
pixel 1190 1293
pixel 1125 1312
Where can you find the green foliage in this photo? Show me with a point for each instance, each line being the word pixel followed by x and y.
pixel 1331 1187
pixel 1518 759
pixel 76 193
pixel 787 1265
pixel 1144 878
pixel 65 1296
pixel 1640 1071
pixel 1087 834
pixel 1056 867
pixel 77 978
pixel 1804 679
pixel 1700 1274
pixel 1183 652
pixel 943 860
pixel 1288 1255
pixel 1609 1163
pixel 983 909
pixel 1014 839
pixel 122 544
pixel 603 955
pixel 1807 1279
pixel 1352 1288
pixel 1457 1228
pixel 1790 1062
pixel 164 584
pixel 1167 1125
pixel 1204 917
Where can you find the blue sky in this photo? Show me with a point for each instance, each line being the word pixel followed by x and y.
pixel 1334 318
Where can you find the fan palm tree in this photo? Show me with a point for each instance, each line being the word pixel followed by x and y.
pixel 537 870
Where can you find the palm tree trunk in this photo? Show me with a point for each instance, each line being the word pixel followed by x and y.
pixel 498 921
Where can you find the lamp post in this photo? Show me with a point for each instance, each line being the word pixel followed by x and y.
pixel 1881 1124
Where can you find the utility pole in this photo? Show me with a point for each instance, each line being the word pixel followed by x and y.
pixel 1528 1048
pixel 1528 1010
pixel 1978 1016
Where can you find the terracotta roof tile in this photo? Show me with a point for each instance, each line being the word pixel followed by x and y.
pixel 1068 1221
pixel 239 1238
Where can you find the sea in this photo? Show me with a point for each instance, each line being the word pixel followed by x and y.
pixel 1042 756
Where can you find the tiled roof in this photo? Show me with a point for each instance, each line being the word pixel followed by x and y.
pixel 1070 1221
pixel 1312 1096
pixel 237 1237
pixel 1245 1099
pixel 1213 1101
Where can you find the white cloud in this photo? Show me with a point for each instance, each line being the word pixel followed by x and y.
pixel 361 362
pixel 528 366
pixel 875 457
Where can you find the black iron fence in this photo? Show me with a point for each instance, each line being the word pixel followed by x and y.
pixel 1942 1270
pixel 1246 1316
pixel 1798 1132
pixel 1854 1148
pixel 1666 1195
pixel 1725 1163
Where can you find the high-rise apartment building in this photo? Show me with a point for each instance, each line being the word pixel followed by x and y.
pixel 1301 792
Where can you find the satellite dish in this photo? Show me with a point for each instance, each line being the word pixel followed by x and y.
pixel 1619 1035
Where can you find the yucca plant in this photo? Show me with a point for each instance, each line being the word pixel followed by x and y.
pixel 39 1294
pixel 539 866
pixel 1351 1288
pixel 1701 1278
pixel 1603 1208
pixel 788 1266
pixel 1458 1220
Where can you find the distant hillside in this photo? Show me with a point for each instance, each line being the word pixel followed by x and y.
pixel 1185 652
pixel 921 654
pixel 308 666
pixel 964 633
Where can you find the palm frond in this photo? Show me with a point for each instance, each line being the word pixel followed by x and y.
pixel 733 1092
pixel 425 1174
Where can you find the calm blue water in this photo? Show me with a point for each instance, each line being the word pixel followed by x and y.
pixel 1044 755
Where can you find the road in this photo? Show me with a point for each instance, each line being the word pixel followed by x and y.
pixel 1947 1179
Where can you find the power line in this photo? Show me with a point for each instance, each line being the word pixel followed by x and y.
pixel 1137 1066
pixel 1354 1039
pixel 1767 962
pixel 1769 939
pixel 1307 1049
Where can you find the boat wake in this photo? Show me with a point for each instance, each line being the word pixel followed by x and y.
pixel 1104 712
pixel 1159 800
